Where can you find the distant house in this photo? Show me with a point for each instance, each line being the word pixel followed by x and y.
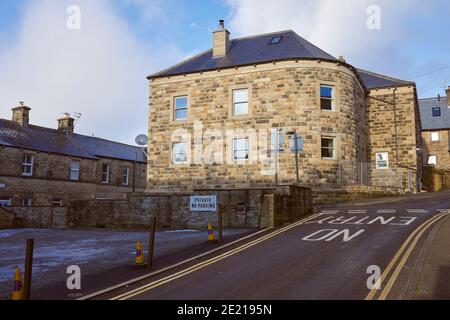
pixel 435 117
pixel 358 127
pixel 49 167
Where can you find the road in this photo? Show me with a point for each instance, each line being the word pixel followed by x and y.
pixel 325 257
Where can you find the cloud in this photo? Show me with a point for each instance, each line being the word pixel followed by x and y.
pixel 98 70
pixel 410 40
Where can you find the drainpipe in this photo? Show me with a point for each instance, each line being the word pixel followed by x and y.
pixel 395 125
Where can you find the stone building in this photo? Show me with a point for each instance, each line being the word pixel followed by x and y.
pixel 435 117
pixel 226 118
pixel 43 167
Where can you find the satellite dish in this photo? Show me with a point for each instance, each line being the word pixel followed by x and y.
pixel 142 140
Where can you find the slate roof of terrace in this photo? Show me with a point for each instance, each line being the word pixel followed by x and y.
pixel 49 140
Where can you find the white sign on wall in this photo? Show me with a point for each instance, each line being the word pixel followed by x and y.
pixel 2 185
pixel 203 204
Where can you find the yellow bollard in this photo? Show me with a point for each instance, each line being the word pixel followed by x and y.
pixel 210 232
pixel 139 254
pixel 18 286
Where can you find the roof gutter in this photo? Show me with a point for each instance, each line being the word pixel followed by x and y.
pixel 338 62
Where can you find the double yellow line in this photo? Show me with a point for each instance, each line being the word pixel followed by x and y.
pixel 206 263
pixel 407 248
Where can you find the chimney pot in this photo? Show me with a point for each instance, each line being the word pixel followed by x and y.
pixel 221 40
pixel 66 124
pixel 21 114
pixel 342 59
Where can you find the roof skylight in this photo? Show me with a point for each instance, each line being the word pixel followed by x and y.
pixel 276 40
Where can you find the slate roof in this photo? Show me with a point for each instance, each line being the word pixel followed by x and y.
pixel 251 50
pixel 426 114
pixel 53 141
pixel 257 49
pixel 374 80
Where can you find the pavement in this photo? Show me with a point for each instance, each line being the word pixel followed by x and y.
pixel 104 256
pixel 336 254
pixel 426 276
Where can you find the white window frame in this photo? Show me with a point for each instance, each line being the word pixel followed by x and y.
pixel 174 156
pixel 435 162
pixel 243 102
pixel 184 108
pixel 234 150
pixel 377 162
pixel 75 170
pixel 29 165
pixel 107 172
pixel 27 202
pixel 56 202
pixel 434 136
pixel 334 149
pixel 274 134
pixel 333 104
pixel 126 176
pixel 4 202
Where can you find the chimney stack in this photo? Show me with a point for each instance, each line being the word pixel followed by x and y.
pixel 342 59
pixel 66 124
pixel 221 41
pixel 21 114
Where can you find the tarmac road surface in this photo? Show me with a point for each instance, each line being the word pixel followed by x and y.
pixel 333 255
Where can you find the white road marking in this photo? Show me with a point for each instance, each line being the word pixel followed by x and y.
pixel 417 211
pixel 331 234
pixel 357 211
pixel 387 211
pixel 326 212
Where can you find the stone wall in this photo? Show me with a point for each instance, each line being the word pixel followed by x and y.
pixel 435 179
pixel 51 175
pixel 240 207
pixel 352 193
pixel 36 217
pixel 395 130
pixel 6 219
pixel 282 95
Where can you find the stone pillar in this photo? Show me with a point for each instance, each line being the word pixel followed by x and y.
pixel 21 114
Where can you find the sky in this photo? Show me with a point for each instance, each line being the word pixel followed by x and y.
pixel 94 61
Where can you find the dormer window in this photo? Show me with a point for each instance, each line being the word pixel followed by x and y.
pixel 436 112
pixel 276 40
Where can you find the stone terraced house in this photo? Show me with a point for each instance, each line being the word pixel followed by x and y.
pixel 210 115
pixel 435 118
pixel 42 167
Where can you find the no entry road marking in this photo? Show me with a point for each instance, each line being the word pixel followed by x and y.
pixel 369 220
